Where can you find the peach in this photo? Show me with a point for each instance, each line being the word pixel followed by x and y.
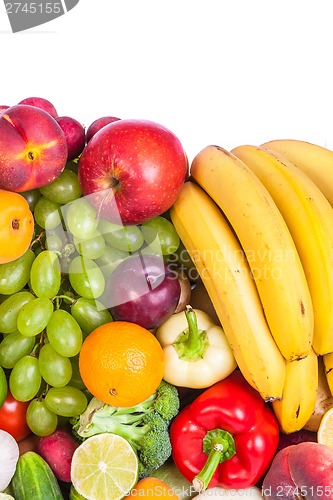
pixel 33 148
pixel 301 470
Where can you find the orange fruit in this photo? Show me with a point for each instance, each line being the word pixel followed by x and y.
pixel 121 363
pixel 151 487
pixel 16 226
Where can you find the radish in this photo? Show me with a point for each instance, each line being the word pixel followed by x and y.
pixel 57 450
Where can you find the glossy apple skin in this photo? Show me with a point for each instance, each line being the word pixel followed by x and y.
pixel 33 149
pixel 133 170
pixel 302 469
pixel 41 103
pixel 96 125
pixel 143 290
pixel 75 135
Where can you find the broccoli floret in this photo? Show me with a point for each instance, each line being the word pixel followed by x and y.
pixel 155 421
pixel 155 449
pixel 145 426
pixel 167 401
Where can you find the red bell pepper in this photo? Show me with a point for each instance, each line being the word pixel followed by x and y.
pixel 226 437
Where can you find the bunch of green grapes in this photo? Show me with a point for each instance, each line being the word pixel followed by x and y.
pixel 53 296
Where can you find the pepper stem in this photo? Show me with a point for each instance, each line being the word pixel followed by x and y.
pixel 219 445
pixel 191 343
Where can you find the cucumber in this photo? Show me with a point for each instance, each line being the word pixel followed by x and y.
pixel 169 473
pixel 35 479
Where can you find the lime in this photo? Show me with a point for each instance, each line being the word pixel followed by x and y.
pixel 104 467
pixel 325 431
pixel 3 386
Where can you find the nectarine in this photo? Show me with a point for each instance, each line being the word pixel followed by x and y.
pixel 33 148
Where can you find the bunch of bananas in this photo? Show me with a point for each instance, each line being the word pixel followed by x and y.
pixel 258 224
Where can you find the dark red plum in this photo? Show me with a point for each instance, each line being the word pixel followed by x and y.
pixel 96 125
pixel 75 135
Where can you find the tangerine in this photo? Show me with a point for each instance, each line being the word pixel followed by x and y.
pixel 121 363
pixel 150 487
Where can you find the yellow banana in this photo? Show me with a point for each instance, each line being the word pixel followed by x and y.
pixel 328 366
pixel 267 244
pixel 315 161
pixel 299 393
pixel 220 261
pixel 309 216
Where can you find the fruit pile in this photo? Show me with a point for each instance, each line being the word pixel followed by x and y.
pixel 157 316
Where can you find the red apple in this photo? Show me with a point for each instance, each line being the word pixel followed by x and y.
pixel 33 149
pixel 75 135
pixel 41 103
pixel 132 170
pixel 96 125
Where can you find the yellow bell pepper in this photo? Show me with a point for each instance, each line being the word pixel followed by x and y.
pixel 196 351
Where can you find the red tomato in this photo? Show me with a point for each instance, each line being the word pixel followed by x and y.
pixel 13 417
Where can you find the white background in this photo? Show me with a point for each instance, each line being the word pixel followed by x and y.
pixel 213 71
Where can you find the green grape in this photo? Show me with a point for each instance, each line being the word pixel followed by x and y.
pixel 40 419
pixel 54 368
pixel 90 314
pixel 15 275
pixel 64 189
pixel 13 347
pixel 74 495
pixel 66 401
pixel 47 213
pixel 45 275
pixel 109 260
pixel 34 316
pixel 25 379
pixel 160 232
pixel 126 238
pixel 92 247
pixel 72 165
pixel 64 333
pixel 76 379
pixel 53 242
pixel 10 308
pixel 81 218
pixel 86 278
pixel 32 196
